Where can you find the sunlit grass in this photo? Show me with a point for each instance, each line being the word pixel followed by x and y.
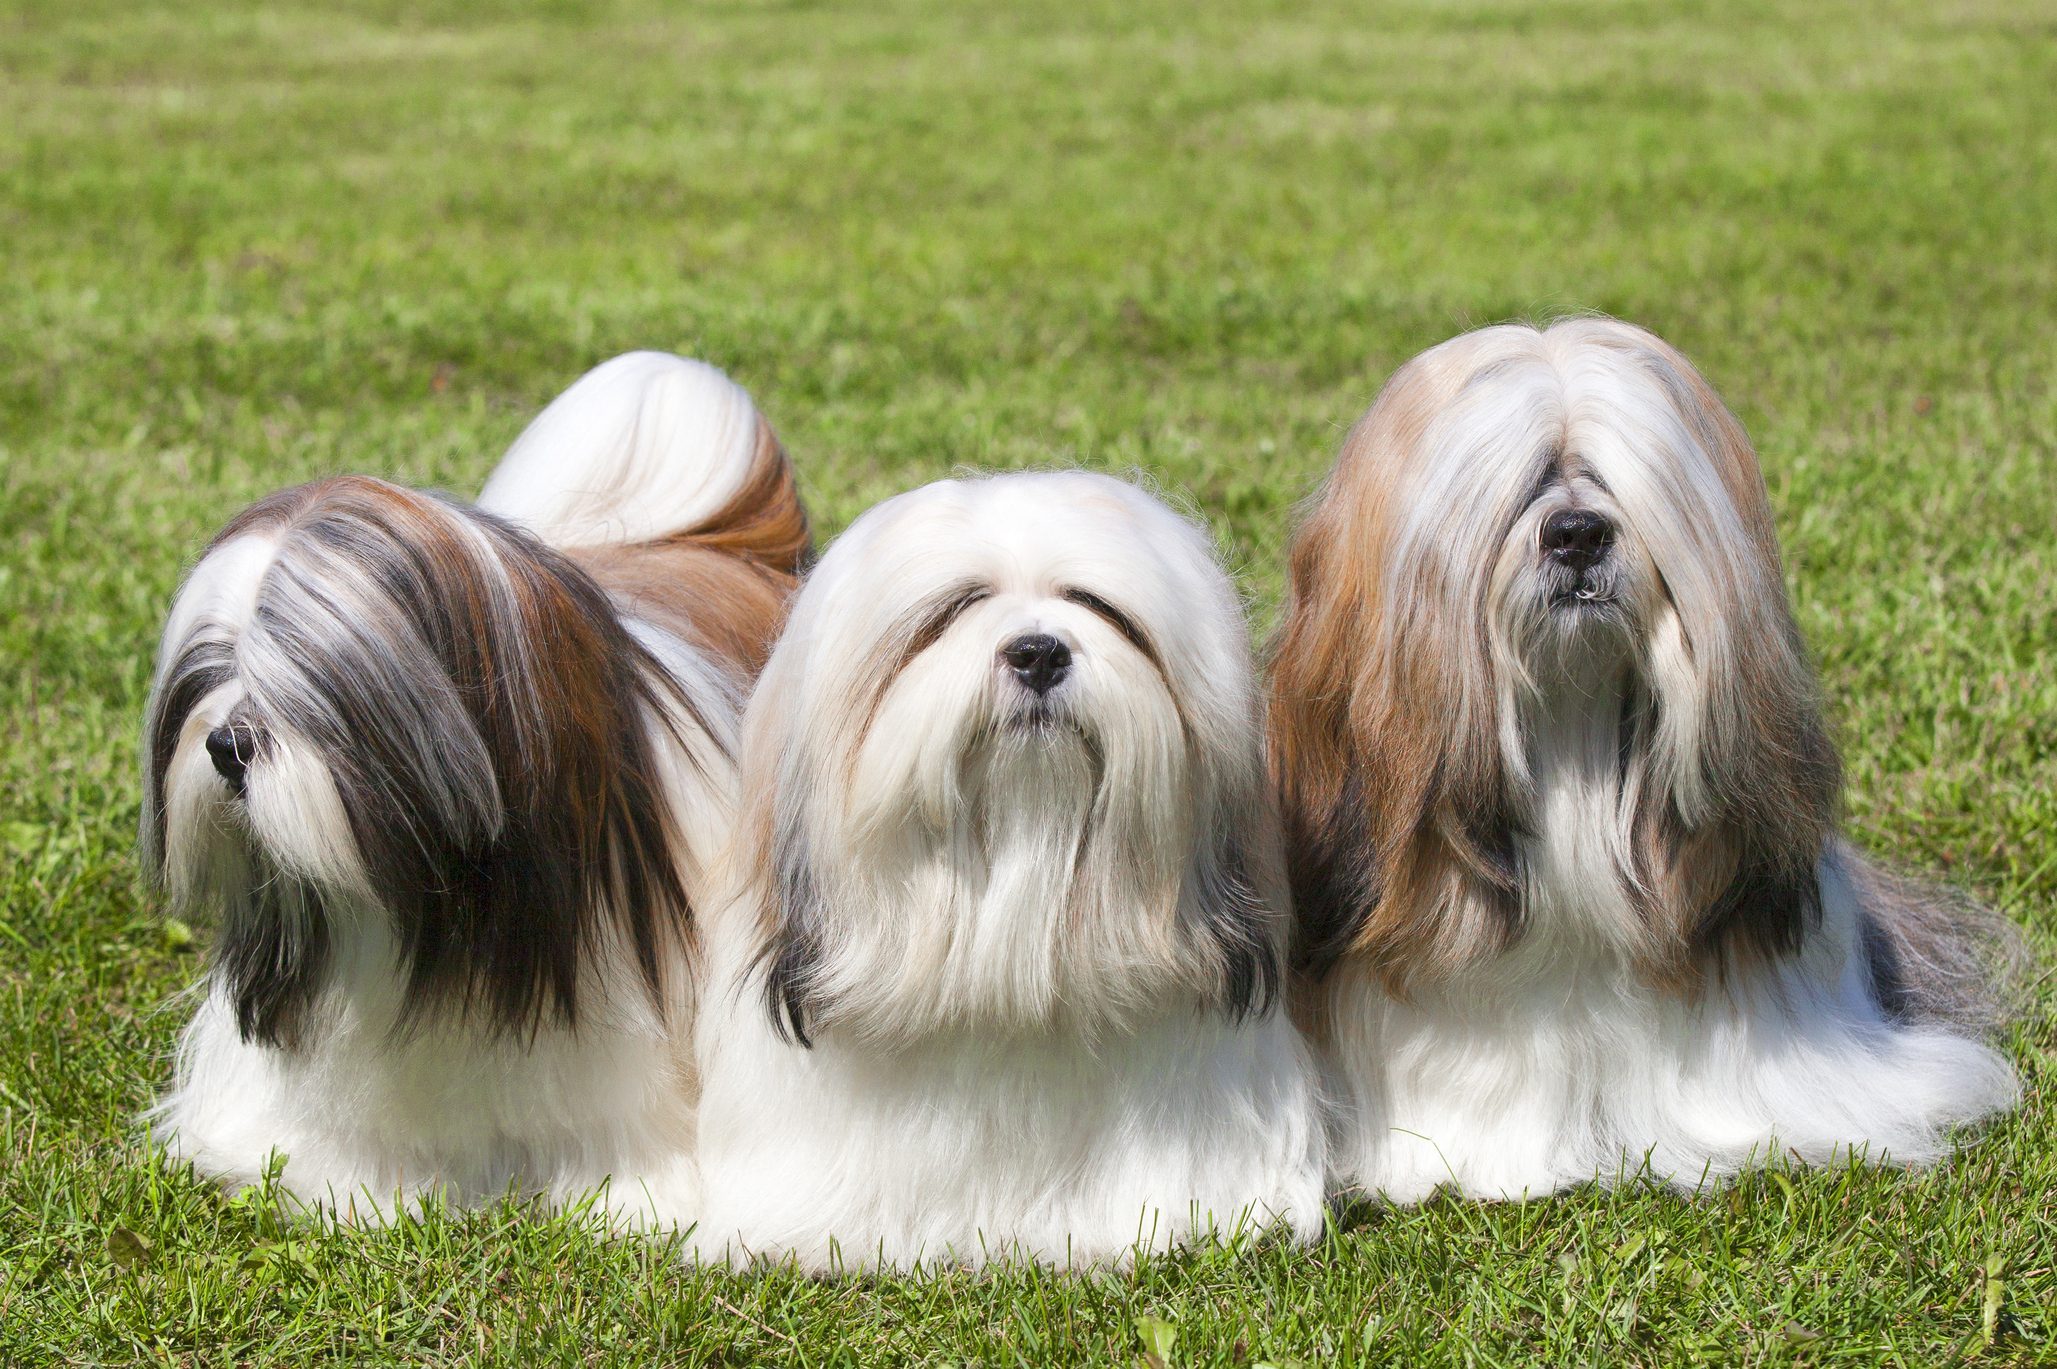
pixel 242 247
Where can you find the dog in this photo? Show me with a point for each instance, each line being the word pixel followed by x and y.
pixel 452 779
pixel 1000 972
pixel 1561 807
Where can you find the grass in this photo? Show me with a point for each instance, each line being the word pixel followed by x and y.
pixel 247 244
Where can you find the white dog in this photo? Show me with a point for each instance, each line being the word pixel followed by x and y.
pixel 1002 975
pixel 452 786
pixel 1561 808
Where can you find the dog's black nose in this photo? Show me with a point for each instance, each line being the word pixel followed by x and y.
pixel 1039 660
pixel 231 748
pixel 1578 538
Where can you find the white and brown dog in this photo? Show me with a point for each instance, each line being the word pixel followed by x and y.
pixel 451 779
pixel 1562 810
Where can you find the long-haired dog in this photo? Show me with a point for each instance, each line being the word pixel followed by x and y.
pixel 1001 976
pixel 452 780
pixel 1561 806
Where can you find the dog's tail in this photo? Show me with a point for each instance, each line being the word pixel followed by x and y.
pixel 1938 955
pixel 652 449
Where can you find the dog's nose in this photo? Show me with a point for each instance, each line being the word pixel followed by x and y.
pixel 1578 538
pixel 231 747
pixel 1039 660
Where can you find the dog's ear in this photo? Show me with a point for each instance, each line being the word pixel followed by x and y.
pixel 1240 906
pixel 493 732
pixel 1733 810
pixel 1315 656
pixel 586 826
pixel 772 850
pixel 1435 804
pixel 1383 726
pixel 1404 854
pixel 1737 780
pixel 792 953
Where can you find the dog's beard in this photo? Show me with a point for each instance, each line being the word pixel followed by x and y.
pixel 1553 637
pixel 273 949
pixel 1617 837
pixel 1013 865
pixel 1600 717
pixel 1033 783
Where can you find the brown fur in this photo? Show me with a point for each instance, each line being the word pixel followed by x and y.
pixel 1381 803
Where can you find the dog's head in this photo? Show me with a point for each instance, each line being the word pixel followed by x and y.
pixel 1525 522
pixel 1004 767
pixel 393 730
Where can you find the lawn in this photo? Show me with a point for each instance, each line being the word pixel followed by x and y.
pixel 245 245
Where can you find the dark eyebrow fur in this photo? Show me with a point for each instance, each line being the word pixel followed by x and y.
pixel 1116 619
pixel 943 611
pixel 1561 467
pixel 939 619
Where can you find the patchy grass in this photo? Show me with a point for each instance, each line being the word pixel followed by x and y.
pixel 246 244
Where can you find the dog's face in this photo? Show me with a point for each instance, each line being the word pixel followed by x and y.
pixel 389 728
pixel 1004 768
pixel 1571 590
pixel 1527 526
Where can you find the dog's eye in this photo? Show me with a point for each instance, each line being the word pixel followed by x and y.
pixel 1116 619
pixel 1548 478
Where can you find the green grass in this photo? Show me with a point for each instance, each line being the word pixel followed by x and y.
pixel 243 246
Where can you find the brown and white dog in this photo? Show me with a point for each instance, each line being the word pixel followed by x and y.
pixel 1562 808
pixel 452 779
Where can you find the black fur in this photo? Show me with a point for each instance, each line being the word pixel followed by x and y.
pixel 1772 903
pixel 1119 621
pixel 1891 986
pixel 272 955
pixel 1234 918
pixel 1334 881
pixel 793 958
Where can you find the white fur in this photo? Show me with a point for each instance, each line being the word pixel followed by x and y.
pixel 961 1147
pixel 1556 1065
pixel 370 1122
pixel 640 446
pixel 1017 1044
